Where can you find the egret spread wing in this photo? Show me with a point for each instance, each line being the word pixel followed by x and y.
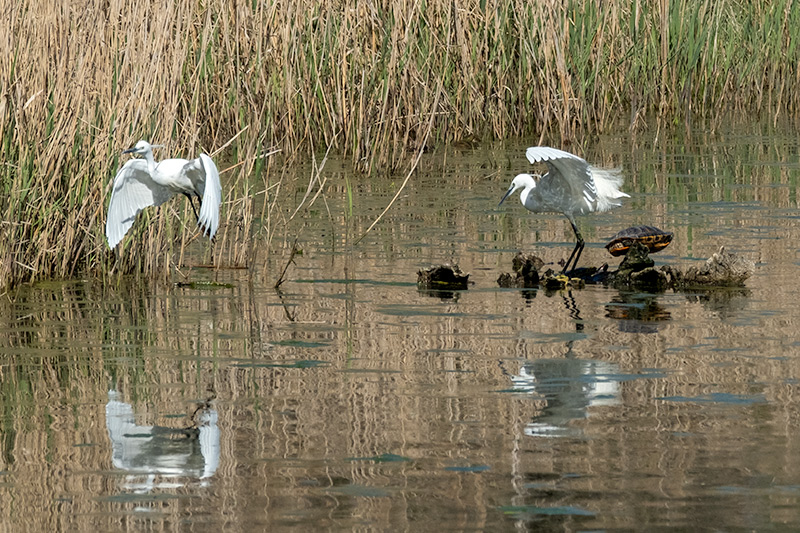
pixel 569 179
pixel 204 176
pixel 133 190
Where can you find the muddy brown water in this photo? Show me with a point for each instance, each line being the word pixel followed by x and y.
pixel 350 400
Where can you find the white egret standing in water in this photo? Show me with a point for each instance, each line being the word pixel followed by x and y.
pixel 142 182
pixel 571 187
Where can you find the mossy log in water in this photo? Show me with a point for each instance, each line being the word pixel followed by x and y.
pixel 442 278
pixel 526 272
pixel 722 269
pixel 203 285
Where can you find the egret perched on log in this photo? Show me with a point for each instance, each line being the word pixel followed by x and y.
pixel 142 182
pixel 570 186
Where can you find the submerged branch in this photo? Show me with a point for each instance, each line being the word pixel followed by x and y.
pixel 295 251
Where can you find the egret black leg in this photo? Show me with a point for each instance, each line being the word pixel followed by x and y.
pixel 191 202
pixel 576 252
pixel 578 255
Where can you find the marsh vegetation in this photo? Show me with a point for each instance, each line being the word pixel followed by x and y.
pixel 376 82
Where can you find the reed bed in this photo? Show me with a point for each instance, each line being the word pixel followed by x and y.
pixel 376 81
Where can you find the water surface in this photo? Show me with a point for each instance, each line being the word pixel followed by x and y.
pixel 350 400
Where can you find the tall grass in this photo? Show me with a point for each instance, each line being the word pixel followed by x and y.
pixel 79 81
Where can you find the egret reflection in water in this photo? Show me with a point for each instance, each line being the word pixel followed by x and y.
pixel 150 452
pixel 569 387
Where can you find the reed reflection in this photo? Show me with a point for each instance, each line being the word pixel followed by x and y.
pixel 157 456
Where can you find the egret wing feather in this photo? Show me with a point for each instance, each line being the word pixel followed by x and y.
pixel 133 190
pixel 568 184
pixel 204 175
pixel 538 154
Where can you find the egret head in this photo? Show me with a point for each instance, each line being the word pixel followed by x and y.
pixel 521 181
pixel 141 148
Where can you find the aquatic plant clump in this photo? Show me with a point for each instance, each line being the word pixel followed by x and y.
pixel 81 81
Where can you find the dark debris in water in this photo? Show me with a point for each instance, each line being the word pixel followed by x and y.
pixel 442 278
pixel 721 269
pixel 636 272
pixel 526 272
pixel 526 275
pixel 556 282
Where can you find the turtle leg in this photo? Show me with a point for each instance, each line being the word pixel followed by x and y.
pixel 576 252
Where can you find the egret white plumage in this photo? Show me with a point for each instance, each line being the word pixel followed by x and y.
pixel 142 182
pixel 570 186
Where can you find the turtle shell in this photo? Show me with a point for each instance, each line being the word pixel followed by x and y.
pixel 655 239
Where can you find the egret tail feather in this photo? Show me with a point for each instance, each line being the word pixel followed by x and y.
pixel 608 182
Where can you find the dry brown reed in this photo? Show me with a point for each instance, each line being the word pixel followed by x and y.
pixel 80 81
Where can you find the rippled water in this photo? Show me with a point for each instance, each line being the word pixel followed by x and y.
pixel 350 400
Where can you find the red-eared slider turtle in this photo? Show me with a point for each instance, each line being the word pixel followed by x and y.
pixel 655 239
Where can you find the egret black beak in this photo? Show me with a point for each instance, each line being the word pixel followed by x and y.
pixel 129 151
pixel 506 195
